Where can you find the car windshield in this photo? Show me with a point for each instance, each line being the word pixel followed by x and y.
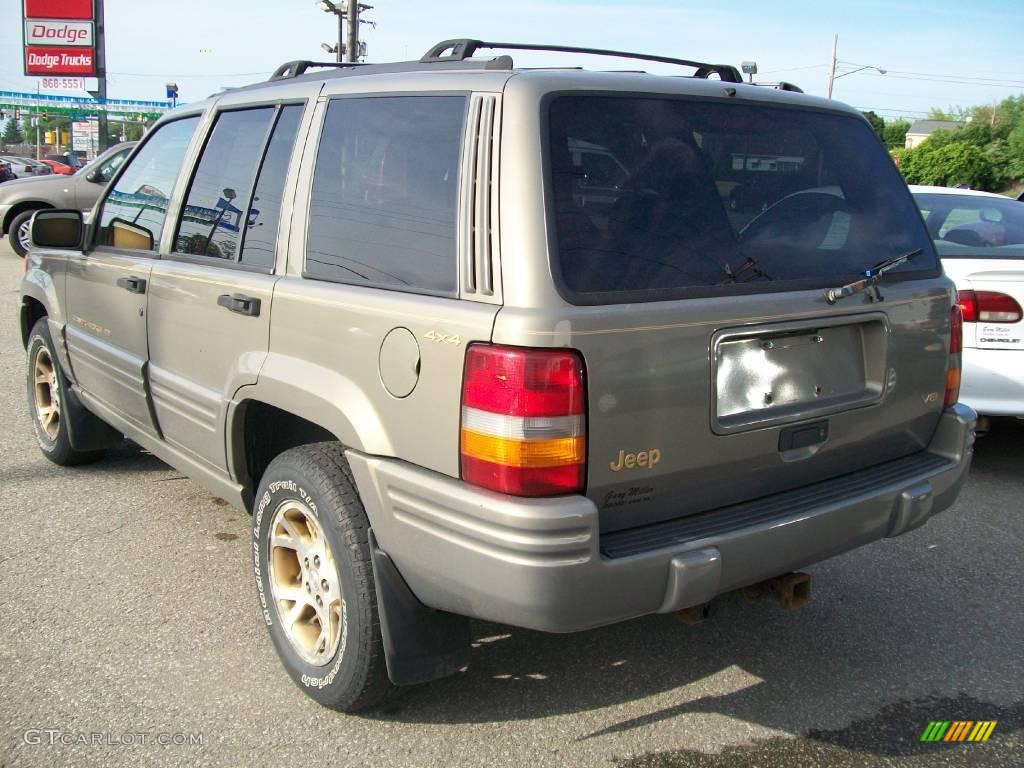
pixel 660 197
pixel 973 226
pixel 104 162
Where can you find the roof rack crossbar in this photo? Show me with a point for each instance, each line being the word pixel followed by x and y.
pixel 295 68
pixel 463 48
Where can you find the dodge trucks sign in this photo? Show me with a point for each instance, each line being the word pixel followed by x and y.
pixel 60 37
pixel 59 61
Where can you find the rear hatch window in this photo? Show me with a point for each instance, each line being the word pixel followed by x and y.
pixel 655 198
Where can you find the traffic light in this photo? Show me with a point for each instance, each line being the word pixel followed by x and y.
pixel 44 116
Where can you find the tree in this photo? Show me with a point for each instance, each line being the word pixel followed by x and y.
pixel 947 164
pixel 1015 153
pixel 12 133
pixel 895 134
pixel 876 122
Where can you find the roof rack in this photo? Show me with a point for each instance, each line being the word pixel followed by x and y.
pixel 462 48
pixel 298 67
pixel 782 86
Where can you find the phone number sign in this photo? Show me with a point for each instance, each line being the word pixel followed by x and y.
pixel 62 83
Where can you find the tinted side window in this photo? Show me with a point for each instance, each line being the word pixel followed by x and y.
pixel 214 213
pixel 383 210
pixel 265 211
pixel 133 214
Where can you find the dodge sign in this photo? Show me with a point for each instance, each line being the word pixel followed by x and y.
pixel 49 32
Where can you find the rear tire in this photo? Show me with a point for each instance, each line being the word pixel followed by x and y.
pixel 19 233
pixel 50 401
pixel 314 578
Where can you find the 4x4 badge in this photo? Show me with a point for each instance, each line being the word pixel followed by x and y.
pixel 440 337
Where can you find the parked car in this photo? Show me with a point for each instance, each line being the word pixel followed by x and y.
pixel 454 373
pixel 20 199
pixel 24 167
pixel 69 159
pixel 980 239
pixel 6 174
pixel 58 168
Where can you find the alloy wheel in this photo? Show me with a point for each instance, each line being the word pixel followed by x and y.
pixel 304 583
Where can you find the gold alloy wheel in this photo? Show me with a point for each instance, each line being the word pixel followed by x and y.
pixel 304 583
pixel 47 393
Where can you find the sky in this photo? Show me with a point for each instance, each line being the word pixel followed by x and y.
pixel 937 53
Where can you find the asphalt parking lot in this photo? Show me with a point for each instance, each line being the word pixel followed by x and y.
pixel 127 606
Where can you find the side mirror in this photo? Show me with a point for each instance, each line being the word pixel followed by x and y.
pixel 57 229
pixel 95 177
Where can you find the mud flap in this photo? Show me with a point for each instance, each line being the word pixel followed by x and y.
pixel 420 644
pixel 87 432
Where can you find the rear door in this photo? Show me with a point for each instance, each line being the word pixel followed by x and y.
pixel 209 304
pixel 717 370
pixel 107 287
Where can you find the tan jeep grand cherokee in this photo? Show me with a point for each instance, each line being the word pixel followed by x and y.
pixel 547 347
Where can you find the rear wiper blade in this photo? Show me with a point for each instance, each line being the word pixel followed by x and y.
pixel 869 282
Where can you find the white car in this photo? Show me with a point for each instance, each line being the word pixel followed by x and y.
pixel 980 238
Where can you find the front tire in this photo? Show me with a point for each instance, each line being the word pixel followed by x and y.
pixel 20 233
pixel 51 405
pixel 314 578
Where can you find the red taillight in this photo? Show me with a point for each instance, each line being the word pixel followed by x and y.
pixel 524 420
pixel 956 342
pixel 989 307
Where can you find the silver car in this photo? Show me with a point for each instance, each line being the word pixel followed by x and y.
pixel 551 348
pixel 25 168
pixel 20 198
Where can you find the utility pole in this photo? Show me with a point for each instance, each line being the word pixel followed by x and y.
pixel 101 74
pixel 832 70
pixel 348 47
pixel 341 38
pixel 352 46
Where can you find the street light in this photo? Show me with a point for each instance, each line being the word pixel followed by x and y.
pixel 329 7
pixel 858 69
pixel 347 11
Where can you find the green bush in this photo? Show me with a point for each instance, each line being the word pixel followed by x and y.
pixel 948 163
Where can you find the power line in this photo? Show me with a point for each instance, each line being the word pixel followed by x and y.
pixel 951 76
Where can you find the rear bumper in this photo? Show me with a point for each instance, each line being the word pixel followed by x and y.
pixel 542 564
pixel 993 381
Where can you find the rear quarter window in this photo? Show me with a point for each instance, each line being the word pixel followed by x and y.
pixel 385 192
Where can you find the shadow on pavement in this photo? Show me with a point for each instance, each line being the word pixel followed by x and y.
pixel 894 732
pixel 895 625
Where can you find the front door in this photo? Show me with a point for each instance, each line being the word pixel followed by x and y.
pixel 209 300
pixel 108 286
